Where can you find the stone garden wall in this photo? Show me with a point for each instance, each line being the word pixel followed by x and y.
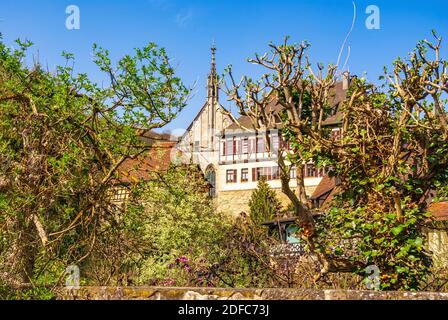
pixel 158 293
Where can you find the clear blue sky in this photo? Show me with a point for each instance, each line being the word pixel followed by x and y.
pixel 239 28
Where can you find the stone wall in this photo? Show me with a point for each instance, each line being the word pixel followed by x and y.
pixel 438 245
pixel 234 202
pixel 153 293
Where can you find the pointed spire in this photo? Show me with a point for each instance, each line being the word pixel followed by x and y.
pixel 213 49
pixel 212 85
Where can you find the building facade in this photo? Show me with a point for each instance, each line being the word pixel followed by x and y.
pixel 200 143
pixel 233 159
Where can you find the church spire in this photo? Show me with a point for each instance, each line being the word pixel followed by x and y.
pixel 212 83
pixel 213 49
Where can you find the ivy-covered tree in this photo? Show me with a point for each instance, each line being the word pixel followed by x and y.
pixel 62 138
pixel 392 157
pixel 264 204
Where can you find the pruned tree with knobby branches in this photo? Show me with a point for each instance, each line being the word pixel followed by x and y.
pixel 392 154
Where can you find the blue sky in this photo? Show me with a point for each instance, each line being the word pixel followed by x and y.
pixel 239 28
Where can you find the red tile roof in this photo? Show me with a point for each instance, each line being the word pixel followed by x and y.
pixel 246 121
pixel 338 96
pixel 326 185
pixel 156 159
pixel 327 189
pixel 439 210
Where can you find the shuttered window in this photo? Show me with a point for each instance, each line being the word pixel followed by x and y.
pixel 245 146
pixel 231 176
pixel 244 175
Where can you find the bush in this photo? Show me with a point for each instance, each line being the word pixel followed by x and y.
pixel 264 204
pixel 178 225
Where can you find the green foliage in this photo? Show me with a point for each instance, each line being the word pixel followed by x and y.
pixel 388 166
pixel 392 155
pixel 243 258
pixel 378 238
pixel 264 204
pixel 177 222
pixel 32 293
pixel 62 138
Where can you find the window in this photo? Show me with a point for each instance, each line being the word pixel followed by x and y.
pixel 310 170
pixel 196 146
pixel 322 172
pixel 244 175
pixel 231 176
pixel 260 173
pixel 268 173
pixel 293 173
pixel 235 146
pixel 245 146
pixel 275 143
pixel 260 145
pixel 275 173
pixel 223 148
pixel 229 150
pixel 210 175
pixel 252 146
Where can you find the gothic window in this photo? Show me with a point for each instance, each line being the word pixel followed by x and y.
pixel 210 176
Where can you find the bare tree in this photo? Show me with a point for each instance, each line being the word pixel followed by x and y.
pixel 391 156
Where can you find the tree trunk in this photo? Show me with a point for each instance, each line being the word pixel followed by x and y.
pixel 301 191
pixel 21 255
pixel 303 213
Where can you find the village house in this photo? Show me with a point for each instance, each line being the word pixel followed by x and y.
pixel 234 159
pixel 148 166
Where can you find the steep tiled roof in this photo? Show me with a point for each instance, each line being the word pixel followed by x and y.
pixel 326 185
pixel 156 159
pixel 338 96
pixel 246 122
pixel 326 189
pixel 439 210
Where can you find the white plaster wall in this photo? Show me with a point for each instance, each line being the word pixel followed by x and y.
pixel 222 185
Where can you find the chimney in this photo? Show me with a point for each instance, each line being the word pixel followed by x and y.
pixel 345 80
